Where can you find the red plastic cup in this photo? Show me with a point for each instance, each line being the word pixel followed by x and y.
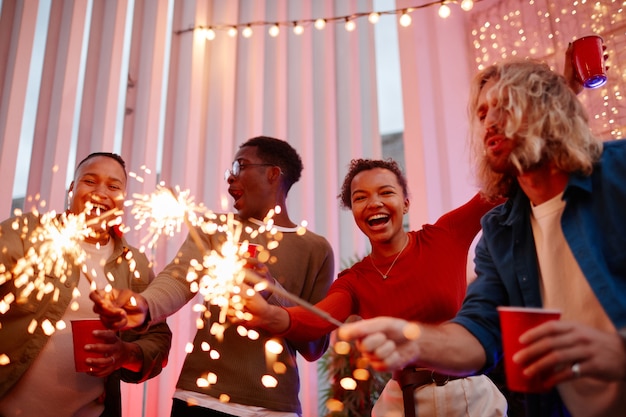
pixel 82 334
pixel 588 61
pixel 253 250
pixel 514 321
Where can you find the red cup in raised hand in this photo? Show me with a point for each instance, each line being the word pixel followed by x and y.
pixel 588 61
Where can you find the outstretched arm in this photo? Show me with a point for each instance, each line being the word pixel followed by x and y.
pixel 391 344
pixel 166 294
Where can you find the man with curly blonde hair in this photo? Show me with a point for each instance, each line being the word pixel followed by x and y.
pixel 558 242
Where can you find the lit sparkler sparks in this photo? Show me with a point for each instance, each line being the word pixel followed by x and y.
pixel 164 211
pixel 221 272
pixel 55 244
pixel 219 277
pixel 225 273
pixel 54 250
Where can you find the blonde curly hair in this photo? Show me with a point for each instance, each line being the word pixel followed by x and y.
pixel 541 113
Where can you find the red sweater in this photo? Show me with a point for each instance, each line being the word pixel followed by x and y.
pixel 426 284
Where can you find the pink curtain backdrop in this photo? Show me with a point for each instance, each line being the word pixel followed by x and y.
pixel 79 76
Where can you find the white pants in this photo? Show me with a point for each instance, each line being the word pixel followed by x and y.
pixel 474 396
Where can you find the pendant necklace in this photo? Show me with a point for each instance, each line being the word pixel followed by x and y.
pixel 394 261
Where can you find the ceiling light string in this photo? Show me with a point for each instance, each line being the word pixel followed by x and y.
pixel 349 21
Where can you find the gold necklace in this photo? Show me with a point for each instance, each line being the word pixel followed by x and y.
pixel 385 276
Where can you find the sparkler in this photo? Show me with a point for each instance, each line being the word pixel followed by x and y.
pixel 221 273
pixel 55 242
pixel 55 249
pixel 166 210
pixel 219 276
pixel 261 284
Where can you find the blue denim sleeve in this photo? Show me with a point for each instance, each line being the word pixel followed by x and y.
pixel 478 313
pixel 506 275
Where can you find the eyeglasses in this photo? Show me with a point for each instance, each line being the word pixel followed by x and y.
pixel 238 166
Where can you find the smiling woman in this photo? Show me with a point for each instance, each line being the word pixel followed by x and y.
pixel 425 278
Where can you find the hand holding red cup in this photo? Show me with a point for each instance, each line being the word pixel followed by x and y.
pixel 588 61
pixel 82 334
pixel 514 321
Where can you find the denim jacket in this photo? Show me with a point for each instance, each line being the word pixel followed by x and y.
pixel 594 225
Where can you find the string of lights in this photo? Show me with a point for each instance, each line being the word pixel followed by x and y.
pixel 349 21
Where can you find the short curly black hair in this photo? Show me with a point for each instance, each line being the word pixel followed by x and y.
pixel 280 153
pixel 360 165
pixel 111 155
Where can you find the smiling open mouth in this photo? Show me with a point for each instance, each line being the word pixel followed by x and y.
pixel 494 141
pixel 235 194
pixel 96 208
pixel 378 219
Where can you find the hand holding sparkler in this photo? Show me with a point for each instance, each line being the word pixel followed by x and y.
pixel 387 343
pixel 120 309
pixel 265 278
pixel 259 314
pixel 270 317
pixel 53 247
pixel 219 271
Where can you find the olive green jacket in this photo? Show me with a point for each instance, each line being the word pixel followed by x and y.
pixel 22 347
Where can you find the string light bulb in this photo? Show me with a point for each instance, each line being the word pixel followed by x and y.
pixel 298 29
pixel 405 19
pixel 444 11
pixel 246 32
pixel 320 24
pixel 373 17
pixel 350 25
pixel 274 30
pixel 467 5
pixel 232 31
pixel 209 33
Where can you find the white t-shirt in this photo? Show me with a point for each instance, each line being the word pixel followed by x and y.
pixel 564 287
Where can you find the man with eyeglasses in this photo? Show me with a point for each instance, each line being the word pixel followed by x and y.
pixel 238 166
pixel 263 171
